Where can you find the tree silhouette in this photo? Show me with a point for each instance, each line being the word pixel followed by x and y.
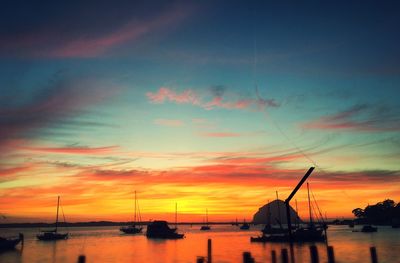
pixel 382 213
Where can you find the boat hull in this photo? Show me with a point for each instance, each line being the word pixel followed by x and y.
pixel 52 236
pixel 131 230
pixel 9 243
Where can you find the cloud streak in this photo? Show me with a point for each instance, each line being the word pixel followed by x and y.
pixel 359 118
pixel 56 104
pixel 217 100
pixel 87 39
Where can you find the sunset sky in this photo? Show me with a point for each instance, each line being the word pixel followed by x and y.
pixel 211 105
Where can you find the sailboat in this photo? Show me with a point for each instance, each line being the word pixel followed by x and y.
pixel 53 234
pixel 206 227
pixel 160 229
pixel 312 233
pixel 245 225
pixel 133 229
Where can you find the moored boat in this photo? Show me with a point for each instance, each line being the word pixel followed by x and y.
pixel 133 229
pixel 11 242
pixel 206 226
pixel 160 229
pixel 369 229
pixel 50 235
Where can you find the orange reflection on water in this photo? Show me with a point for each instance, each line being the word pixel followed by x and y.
pixel 106 244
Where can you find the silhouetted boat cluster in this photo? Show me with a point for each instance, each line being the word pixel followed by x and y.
pixel 313 232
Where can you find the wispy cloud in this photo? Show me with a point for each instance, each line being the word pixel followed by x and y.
pixel 57 103
pixel 87 39
pixel 362 118
pixel 169 122
pixel 214 99
pixel 73 149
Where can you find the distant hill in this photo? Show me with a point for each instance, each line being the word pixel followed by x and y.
pixel 275 208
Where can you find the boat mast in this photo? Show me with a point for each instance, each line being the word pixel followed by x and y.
pixel 135 210
pixel 269 214
pixel 58 204
pixel 176 215
pixel 297 215
pixel 309 204
pixel 279 208
pixel 206 216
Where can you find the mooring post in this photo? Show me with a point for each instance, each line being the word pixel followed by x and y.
pixel 374 256
pixel 331 255
pixel 81 259
pixel 200 260
pixel 284 256
pixel 247 258
pixel 273 256
pixel 314 254
pixel 209 248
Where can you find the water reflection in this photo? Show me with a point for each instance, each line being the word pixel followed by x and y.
pixel 106 244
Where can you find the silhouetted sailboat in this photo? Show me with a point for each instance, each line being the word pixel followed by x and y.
pixel 53 234
pixel 312 233
pixel 245 226
pixel 206 227
pixel 133 229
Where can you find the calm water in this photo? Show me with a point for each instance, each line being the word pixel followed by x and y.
pixel 106 244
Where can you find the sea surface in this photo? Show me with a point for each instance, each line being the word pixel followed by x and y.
pixel 107 244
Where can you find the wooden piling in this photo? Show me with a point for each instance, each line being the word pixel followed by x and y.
pixel 81 259
pixel 247 258
pixel 374 256
pixel 209 250
pixel 331 255
pixel 314 254
pixel 284 255
pixel 273 256
pixel 200 260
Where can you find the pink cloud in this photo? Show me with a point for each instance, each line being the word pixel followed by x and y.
pixel 188 96
pixel 169 122
pixel 166 94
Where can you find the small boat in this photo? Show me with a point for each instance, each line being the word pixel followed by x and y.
pixel 351 224
pixel 50 235
pixel 270 238
pixel 245 226
pixel 235 223
pixel 133 229
pixel 160 229
pixel 11 243
pixel 369 229
pixel 206 226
